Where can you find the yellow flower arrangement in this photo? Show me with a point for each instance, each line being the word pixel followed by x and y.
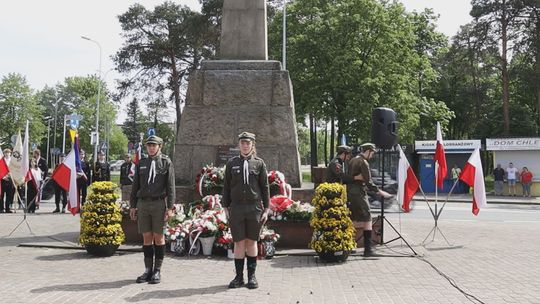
pixel 101 217
pixel 333 228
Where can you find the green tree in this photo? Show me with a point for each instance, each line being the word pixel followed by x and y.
pixel 161 47
pixel 135 122
pixel 17 105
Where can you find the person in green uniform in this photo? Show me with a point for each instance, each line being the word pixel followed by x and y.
pixel 151 204
pixel 245 199
pixel 337 166
pixel 357 193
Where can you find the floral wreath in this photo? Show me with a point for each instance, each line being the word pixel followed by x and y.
pixel 209 177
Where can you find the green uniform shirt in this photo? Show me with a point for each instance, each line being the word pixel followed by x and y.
pixel 337 172
pixel 235 188
pixel 163 183
pixel 359 165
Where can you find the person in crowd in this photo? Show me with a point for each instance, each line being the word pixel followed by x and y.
pixel 102 169
pixel 456 171
pixel 498 176
pixel 511 176
pixel 34 185
pixel 59 193
pixel 125 176
pixel 338 165
pixel 83 178
pixel 8 189
pixel 526 178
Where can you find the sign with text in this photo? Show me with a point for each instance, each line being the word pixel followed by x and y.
pixel 501 144
pixel 428 146
pixel 224 153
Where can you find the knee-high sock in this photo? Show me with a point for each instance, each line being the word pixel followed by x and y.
pixel 367 239
pixel 148 256
pixel 160 254
pixel 239 266
pixel 251 265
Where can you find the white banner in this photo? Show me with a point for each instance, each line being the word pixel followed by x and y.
pixel 505 144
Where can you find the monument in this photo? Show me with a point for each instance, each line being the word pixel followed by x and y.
pixel 243 91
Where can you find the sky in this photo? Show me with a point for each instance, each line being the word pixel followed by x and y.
pixel 42 39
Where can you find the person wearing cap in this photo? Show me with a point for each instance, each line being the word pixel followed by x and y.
pixel 151 204
pixel 84 177
pixel 246 199
pixel 59 193
pixel 335 172
pixel 357 193
pixel 125 178
pixel 8 190
pixel 102 169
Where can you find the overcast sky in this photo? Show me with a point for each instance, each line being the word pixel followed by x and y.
pixel 42 39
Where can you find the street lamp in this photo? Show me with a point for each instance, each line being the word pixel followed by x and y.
pixel 284 35
pixel 96 143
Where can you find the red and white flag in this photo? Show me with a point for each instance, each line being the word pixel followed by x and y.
pixel 407 182
pixel 135 162
pixel 440 159
pixel 65 175
pixel 473 175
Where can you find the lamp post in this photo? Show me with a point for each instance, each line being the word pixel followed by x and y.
pixel 99 93
pixel 285 35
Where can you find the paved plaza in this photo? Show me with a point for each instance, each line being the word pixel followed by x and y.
pixel 492 260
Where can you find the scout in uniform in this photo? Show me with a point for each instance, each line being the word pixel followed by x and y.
pixel 357 193
pixel 245 199
pixel 102 169
pixel 151 204
pixel 335 172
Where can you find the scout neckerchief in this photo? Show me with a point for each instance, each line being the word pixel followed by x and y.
pixel 246 168
pixel 152 172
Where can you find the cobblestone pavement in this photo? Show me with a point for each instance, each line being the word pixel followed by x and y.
pixel 493 261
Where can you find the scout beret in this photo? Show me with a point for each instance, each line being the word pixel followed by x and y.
pixel 246 136
pixel 344 149
pixel 368 146
pixel 153 139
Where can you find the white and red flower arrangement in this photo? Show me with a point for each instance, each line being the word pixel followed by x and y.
pixel 269 235
pixel 225 241
pixel 210 180
pixel 276 179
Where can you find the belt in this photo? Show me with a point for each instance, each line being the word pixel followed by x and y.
pixel 152 198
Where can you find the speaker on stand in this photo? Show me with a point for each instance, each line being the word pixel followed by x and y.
pixel 384 128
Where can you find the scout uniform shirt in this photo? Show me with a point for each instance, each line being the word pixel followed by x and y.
pixel 153 180
pixel 245 183
pixel 102 172
pixel 359 165
pixel 337 172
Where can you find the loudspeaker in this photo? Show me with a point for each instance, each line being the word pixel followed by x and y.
pixel 384 128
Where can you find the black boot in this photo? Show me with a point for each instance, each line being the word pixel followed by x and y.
pixel 238 280
pixel 160 254
pixel 251 267
pixel 147 274
pixel 148 264
pixel 367 243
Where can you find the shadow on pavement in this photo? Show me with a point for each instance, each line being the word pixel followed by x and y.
pixel 83 286
pixel 177 293
pixel 59 237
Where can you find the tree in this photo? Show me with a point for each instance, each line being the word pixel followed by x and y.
pixel 161 48
pixel 135 122
pixel 495 19
pixel 347 58
pixel 17 105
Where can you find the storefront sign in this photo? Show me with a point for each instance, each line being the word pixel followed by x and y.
pixel 502 144
pixel 450 146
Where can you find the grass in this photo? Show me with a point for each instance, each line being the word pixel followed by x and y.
pixel 488 181
pixel 306 176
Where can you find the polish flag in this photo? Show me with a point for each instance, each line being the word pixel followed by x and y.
pixel 473 175
pixel 4 169
pixel 135 161
pixel 440 159
pixel 65 175
pixel 407 182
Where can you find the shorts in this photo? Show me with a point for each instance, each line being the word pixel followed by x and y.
pixel 244 221
pixel 151 216
pixel 511 182
pixel 358 204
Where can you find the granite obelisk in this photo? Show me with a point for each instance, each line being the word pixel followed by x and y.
pixel 243 91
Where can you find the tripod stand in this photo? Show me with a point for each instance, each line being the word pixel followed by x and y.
pixel 25 209
pixel 382 219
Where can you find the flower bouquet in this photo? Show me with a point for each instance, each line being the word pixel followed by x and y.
pixel 101 232
pixel 210 180
pixel 267 242
pixel 298 211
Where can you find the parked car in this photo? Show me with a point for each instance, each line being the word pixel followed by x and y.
pixel 116 164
